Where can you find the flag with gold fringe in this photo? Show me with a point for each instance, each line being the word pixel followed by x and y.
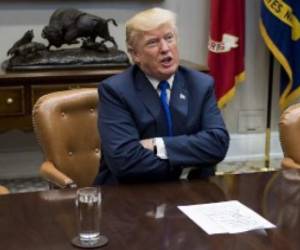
pixel 226 47
pixel 280 29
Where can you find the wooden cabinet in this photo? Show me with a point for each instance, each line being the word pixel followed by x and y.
pixel 12 101
pixel 20 90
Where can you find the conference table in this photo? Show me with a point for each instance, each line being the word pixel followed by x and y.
pixel 145 216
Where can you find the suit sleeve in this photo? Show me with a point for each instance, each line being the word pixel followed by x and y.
pixel 208 146
pixel 125 156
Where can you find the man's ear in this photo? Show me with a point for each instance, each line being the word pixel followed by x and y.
pixel 134 55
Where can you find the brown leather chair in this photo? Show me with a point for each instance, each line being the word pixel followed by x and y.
pixel 3 190
pixel 65 124
pixel 289 130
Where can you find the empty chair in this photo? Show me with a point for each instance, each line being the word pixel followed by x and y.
pixel 289 130
pixel 65 124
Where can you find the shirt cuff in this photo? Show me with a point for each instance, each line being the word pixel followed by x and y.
pixel 161 148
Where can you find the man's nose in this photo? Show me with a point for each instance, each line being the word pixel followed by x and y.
pixel 164 46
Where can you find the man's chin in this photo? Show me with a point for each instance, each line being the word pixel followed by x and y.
pixel 169 71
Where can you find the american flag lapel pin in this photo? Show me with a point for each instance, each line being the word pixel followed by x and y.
pixel 182 96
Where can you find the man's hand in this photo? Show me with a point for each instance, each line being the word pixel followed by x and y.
pixel 148 144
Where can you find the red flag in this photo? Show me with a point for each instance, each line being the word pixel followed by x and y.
pixel 226 47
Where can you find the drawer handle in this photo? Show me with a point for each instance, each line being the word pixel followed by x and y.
pixel 9 100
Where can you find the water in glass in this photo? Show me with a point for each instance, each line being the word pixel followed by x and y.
pixel 88 206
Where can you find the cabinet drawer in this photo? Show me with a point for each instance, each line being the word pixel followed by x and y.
pixel 12 101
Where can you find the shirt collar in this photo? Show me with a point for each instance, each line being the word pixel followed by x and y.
pixel 155 82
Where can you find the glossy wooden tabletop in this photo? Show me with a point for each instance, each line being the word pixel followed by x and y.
pixel 146 216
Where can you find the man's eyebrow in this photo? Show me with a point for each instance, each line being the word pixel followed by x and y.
pixel 151 39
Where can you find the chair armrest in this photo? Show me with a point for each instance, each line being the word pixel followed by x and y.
pixel 49 172
pixel 289 163
pixel 4 190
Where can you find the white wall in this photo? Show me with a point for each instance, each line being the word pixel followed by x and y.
pixel 245 114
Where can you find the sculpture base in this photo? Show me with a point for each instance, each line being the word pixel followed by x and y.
pixel 67 59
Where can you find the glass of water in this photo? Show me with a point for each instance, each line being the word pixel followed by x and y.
pixel 88 216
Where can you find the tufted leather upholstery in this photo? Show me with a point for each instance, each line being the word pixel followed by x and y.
pixel 289 130
pixel 65 124
pixel 3 190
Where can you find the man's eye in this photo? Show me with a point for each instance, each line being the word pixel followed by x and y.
pixel 152 43
pixel 169 37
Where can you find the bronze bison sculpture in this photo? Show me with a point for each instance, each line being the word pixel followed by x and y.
pixel 67 25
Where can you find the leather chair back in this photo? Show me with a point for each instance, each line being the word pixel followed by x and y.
pixel 289 130
pixel 65 124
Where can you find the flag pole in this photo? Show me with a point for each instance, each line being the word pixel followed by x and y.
pixel 269 111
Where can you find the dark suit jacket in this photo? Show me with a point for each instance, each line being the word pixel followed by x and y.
pixel 130 110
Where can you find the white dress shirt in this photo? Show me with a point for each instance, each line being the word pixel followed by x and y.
pixel 160 145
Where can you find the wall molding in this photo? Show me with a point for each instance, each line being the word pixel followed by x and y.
pixel 244 147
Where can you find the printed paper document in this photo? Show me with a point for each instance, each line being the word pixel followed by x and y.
pixel 225 217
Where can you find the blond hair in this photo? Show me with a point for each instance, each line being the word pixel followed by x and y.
pixel 147 20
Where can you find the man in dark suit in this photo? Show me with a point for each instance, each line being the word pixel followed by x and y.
pixel 154 133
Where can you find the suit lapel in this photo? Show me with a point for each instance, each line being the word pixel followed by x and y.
pixel 179 104
pixel 150 98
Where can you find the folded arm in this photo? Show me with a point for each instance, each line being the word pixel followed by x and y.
pixel 208 146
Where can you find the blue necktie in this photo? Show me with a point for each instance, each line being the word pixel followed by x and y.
pixel 163 86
